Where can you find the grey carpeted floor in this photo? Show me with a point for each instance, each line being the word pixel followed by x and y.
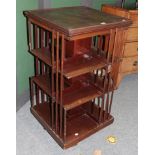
pixel 32 139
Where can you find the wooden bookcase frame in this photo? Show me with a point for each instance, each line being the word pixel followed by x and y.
pixel 71 92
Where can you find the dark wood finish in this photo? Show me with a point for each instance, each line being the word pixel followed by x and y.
pixel 74 125
pixel 78 46
pixel 76 64
pixel 73 96
pixel 35 44
pixel 61 85
pixel 81 64
pixel 73 21
pixel 52 77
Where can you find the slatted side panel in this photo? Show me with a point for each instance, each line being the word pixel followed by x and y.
pixel 57 80
pixel 54 41
pixel 104 45
pixel 101 107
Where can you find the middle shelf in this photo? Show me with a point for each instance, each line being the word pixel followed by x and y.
pixel 74 95
pixel 74 66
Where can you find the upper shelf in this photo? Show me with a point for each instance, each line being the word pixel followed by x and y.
pixel 76 20
pixel 74 66
pixel 43 54
pixel 82 64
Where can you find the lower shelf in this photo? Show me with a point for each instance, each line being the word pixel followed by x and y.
pixel 74 95
pixel 79 124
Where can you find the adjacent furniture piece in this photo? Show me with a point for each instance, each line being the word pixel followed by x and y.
pixel 129 60
pixel 74 49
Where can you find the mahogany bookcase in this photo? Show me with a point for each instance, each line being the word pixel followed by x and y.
pixel 76 53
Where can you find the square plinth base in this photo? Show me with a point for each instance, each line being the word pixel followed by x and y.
pixel 79 124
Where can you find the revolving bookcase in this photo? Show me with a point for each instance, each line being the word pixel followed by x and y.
pixel 76 53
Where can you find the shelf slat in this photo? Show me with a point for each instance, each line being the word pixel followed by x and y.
pixel 73 96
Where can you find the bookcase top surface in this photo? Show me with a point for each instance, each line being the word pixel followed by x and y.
pixel 76 20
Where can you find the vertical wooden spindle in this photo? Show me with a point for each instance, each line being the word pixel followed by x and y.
pixel 103 98
pixel 35 43
pixel 50 108
pixel 57 78
pixel 101 72
pixel 93 101
pixel 41 46
pixel 94 41
pixel 47 39
pixel 29 36
pixel 61 82
pixel 102 108
pixel 111 98
pixel 107 99
pixel 42 41
pixel 35 36
pixel 96 76
pixel 92 106
pixel 52 76
pixel 41 63
pixel 98 44
pixel 36 61
pixel 98 101
pixel 31 92
pixel 65 125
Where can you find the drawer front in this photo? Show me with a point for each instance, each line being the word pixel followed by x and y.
pixel 132 34
pixel 134 24
pixel 129 64
pixel 133 15
pixel 130 49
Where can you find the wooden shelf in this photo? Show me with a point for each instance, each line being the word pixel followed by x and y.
pixel 44 83
pixel 43 54
pixel 96 81
pixel 82 64
pixel 76 94
pixel 79 96
pixel 79 125
pixel 78 122
pixel 75 66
